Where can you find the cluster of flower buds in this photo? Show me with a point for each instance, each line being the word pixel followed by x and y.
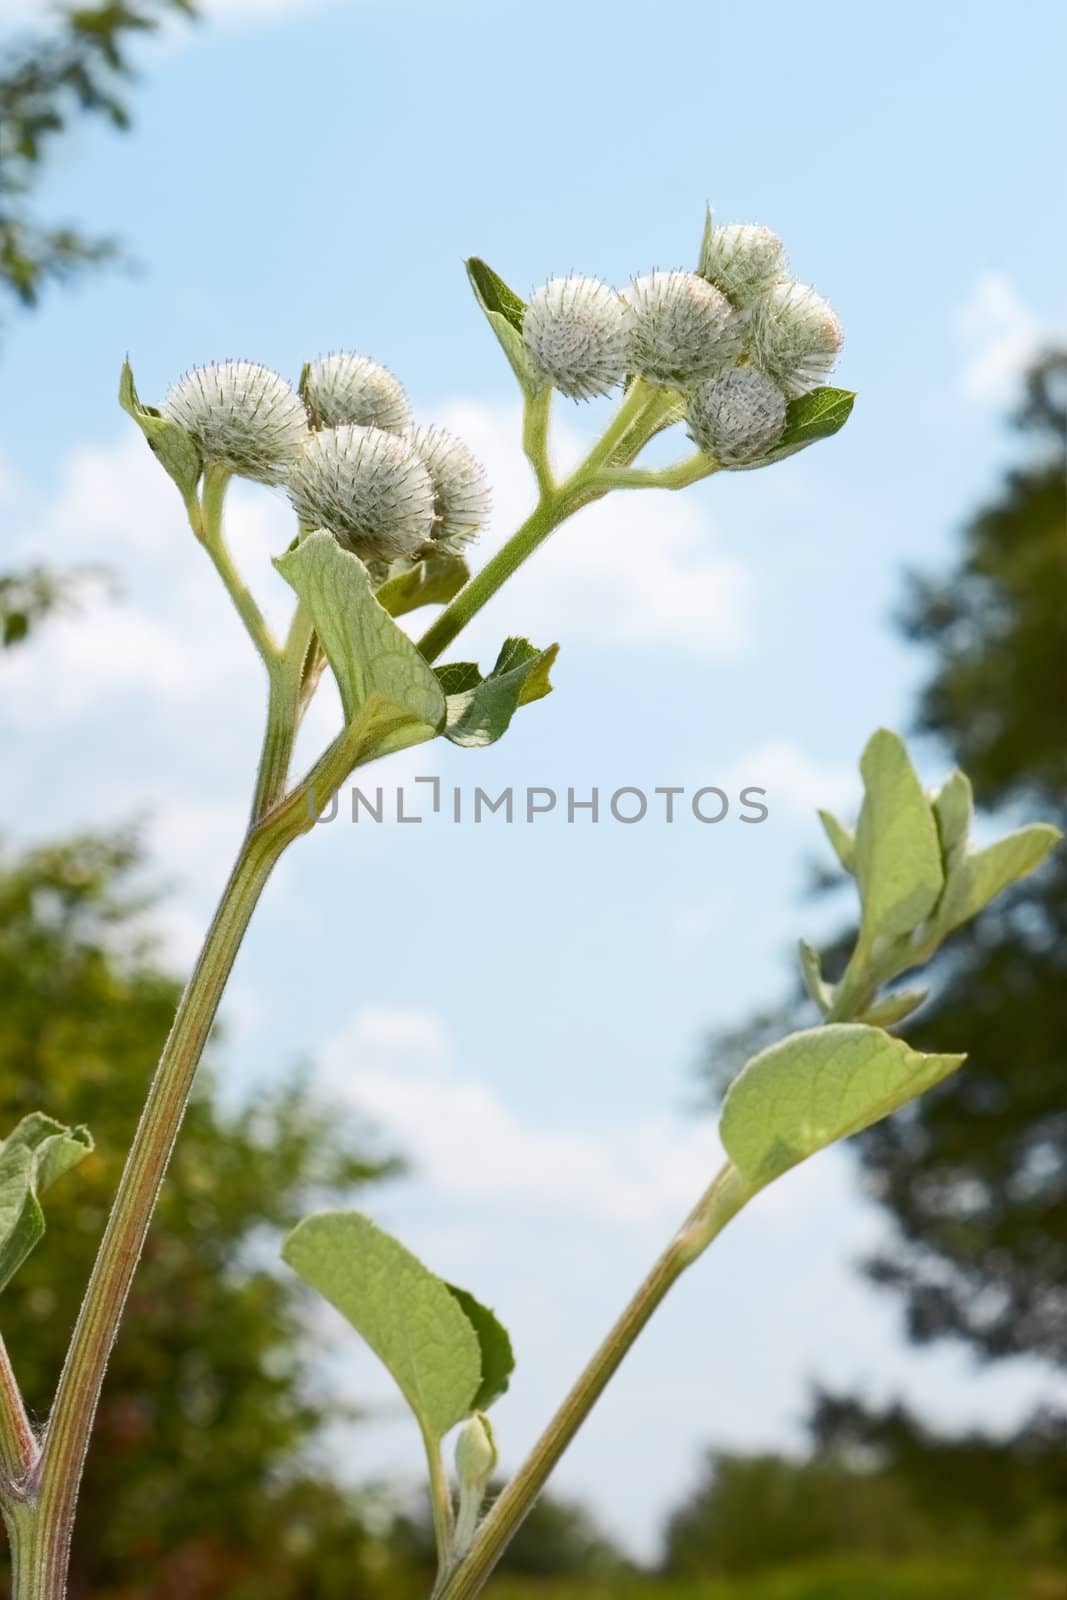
pixel 345 448
pixel 738 338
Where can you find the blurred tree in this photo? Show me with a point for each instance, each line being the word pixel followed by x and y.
pixel 79 64
pixel 975 1173
pixel 199 1482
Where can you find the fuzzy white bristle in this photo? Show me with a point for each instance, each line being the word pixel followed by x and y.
pixel 242 416
pixel 684 329
pixel 349 388
pixel 461 488
pixel 368 487
pixel 795 337
pixel 577 333
pixel 742 259
pixel 737 416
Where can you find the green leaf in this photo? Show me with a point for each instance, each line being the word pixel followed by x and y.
pixel 480 709
pixel 430 582
pixel 412 1321
pixel 841 838
pixel 814 982
pixel 808 418
pixel 504 312
pixel 176 451
pixel 498 1360
pixel 816 1087
pixel 369 654
pixel 894 1008
pixel 898 854
pixel 954 813
pixel 33 1156
pixel 980 875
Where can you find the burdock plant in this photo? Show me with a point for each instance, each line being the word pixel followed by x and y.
pixel 385 510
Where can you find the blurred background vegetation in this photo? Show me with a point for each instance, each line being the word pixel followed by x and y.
pixel 207 1480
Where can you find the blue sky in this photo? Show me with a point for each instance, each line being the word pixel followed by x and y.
pixel 520 1008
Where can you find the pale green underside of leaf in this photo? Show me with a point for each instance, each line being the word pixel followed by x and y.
pixel 368 653
pixel 433 581
pixel 480 709
pixel 816 1087
pixel 841 838
pixel 411 1319
pixel 33 1156
pixel 978 876
pixel 176 452
pixel 897 852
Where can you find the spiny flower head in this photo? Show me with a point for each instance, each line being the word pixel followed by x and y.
pixel 795 337
pixel 461 489
pixel 737 416
pixel 684 328
pixel 366 486
pixel 350 388
pixel 742 259
pixel 242 416
pixel 577 333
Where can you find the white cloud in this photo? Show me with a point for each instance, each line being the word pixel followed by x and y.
pixel 797 784
pixel 639 568
pixel 999 335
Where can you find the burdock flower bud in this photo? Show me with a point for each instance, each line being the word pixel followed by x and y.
pixel 460 486
pixel 742 259
pixel 577 333
pixel 350 388
pixel 242 416
pixel 736 417
pixel 684 328
pixel 795 337
pixel 366 486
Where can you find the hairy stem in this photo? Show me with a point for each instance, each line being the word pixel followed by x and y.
pixel 284 710
pixel 208 529
pixel 18 1442
pixel 42 1574
pixel 722 1201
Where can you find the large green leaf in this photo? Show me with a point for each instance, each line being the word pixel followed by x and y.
pixel 369 654
pixel 498 1358
pixel 504 312
pixel 480 709
pixel 897 852
pixel 33 1156
pixel 430 582
pixel 816 1087
pixel 176 451
pixel 412 1321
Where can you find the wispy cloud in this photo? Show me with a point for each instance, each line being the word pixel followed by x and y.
pixel 999 335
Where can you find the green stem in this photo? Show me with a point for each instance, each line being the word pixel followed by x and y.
pixel 440 1500
pixel 18 1442
pixel 680 476
pixel 535 439
pixel 284 710
pixel 42 1574
pixel 208 529
pixel 722 1201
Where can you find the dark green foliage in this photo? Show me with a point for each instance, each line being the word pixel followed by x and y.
pixel 30 595
pixel 81 65
pixel 199 1481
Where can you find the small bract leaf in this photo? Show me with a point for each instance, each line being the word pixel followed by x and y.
pixel 369 654
pixel 816 1087
pixel 504 311
pixel 814 982
pixel 980 875
pixel 176 451
pixel 412 1321
pixel 481 709
pixel 36 1153
pixel 842 839
pixel 808 418
pixel 954 813
pixel 498 1359
pixel 430 582
pixel 894 1008
pixel 898 853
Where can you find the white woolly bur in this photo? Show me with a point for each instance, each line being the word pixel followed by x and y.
pixel 242 416
pixel 737 416
pixel 795 337
pixel 577 333
pixel 461 489
pixel 350 388
pixel 366 486
pixel 743 260
pixel 684 328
